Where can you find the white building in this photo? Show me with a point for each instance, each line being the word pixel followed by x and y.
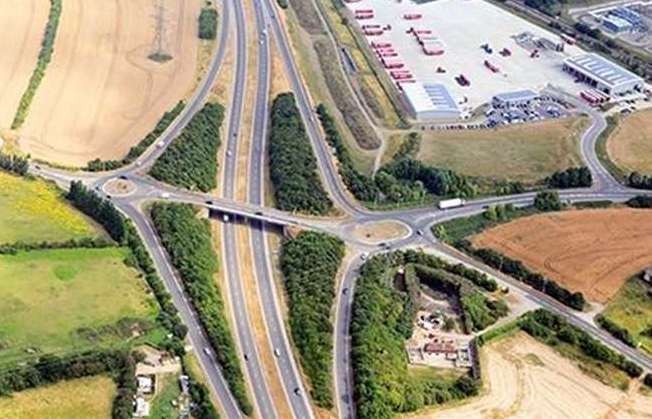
pixel 429 101
pixel 603 75
pixel 519 97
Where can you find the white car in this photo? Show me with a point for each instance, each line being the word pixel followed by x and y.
pixel 165 195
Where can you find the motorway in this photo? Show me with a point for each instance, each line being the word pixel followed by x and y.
pixel 419 221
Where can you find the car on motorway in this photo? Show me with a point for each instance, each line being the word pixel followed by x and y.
pixel 297 391
pixel 207 351
pixel 165 195
pixel 419 232
pixel 277 353
pixel 209 202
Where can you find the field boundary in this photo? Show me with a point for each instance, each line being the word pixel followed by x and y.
pixel 44 57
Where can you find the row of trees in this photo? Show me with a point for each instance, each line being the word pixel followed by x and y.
pixel 293 167
pixel 552 328
pixel 51 369
pixel 478 311
pixel 310 263
pixel 639 181
pixel 207 23
pixel 518 270
pixel 574 177
pixel 616 331
pixel 136 151
pixel 402 180
pixel 124 233
pixel 14 164
pixel 191 160
pixel 86 242
pixel 187 240
pixel 383 385
pixel 44 56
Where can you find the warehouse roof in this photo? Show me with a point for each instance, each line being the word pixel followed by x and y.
pixel 519 95
pixel 602 70
pixel 426 97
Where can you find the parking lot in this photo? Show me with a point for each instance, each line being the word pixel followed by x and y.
pixel 471 47
pixel 542 108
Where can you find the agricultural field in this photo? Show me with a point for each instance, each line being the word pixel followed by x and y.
pixel 82 398
pixel 631 308
pixel 630 145
pixel 34 211
pixel 591 251
pixel 72 299
pixel 526 378
pixel 528 153
pixel 22 23
pixel 101 93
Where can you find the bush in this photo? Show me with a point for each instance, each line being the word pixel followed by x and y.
pixel 207 23
pixel 14 164
pixel 648 380
pixel 136 151
pixel 547 201
pixel 616 331
pixel 187 240
pixel 640 201
pixel 283 4
pixel 191 160
pixel 293 167
pixel 310 263
pixel 574 177
pixel 44 57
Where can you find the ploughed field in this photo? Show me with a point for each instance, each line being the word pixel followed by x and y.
pixel 22 23
pixel 527 379
pixel 101 93
pixel 592 251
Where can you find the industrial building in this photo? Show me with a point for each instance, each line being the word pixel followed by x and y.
pixel 519 97
pixel 429 101
pixel 603 75
pixel 616 24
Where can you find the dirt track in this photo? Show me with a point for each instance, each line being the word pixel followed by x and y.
pixel 527 379
pixel 22 23
pixel 592 251
pixel 101 94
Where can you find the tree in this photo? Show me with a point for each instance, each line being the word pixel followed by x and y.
pixel 547 201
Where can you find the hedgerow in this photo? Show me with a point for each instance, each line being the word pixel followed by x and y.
pixel 44 57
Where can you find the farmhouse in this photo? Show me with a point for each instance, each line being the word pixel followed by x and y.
pixel 603 74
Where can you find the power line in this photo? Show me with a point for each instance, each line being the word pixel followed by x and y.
pixel 159 54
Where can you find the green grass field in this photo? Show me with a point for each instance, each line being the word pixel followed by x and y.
pixel 632 309
pixel 525 153
pixel 62 300
pixel 34 211
pixel 84 398
pixel 168 390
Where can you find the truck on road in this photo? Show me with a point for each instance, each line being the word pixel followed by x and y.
pixel 451 203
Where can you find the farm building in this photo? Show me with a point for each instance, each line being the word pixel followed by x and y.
pixel 519 97
pixel 603 74
pixel 429 101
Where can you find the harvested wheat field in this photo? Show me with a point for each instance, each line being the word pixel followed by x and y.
pixel 592 251
pixel 630 146
pixel 22 23
pixel 101 93
pixel 527 379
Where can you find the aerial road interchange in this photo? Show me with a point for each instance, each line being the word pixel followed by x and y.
pixel 259 218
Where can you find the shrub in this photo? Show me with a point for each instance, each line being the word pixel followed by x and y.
pixel 14 164
pixel 547 201
pixel 207 23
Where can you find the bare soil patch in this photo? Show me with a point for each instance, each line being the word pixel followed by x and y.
pixel 527 379
pixel 376 232
pixel 630 146
pixel 22 23
pixel 592 251
pixel 102 93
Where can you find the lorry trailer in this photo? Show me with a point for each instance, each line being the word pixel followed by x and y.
pixel 451 203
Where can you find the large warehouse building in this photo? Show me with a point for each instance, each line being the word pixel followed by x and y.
pixel 429 101
pixel 603 74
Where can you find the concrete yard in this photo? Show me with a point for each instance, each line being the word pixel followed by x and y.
pixel 463 26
